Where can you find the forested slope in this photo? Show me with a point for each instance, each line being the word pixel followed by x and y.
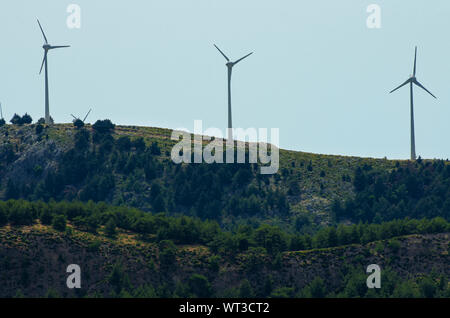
pixel 111 199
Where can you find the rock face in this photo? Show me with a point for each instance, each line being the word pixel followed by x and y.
pixel 35 162
pixel 34 155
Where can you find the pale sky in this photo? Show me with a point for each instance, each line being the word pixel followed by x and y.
pixel 318 73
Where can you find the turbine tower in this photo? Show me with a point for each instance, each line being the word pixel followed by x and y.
pixel 413 80
pixel 47 47
pixel 230 65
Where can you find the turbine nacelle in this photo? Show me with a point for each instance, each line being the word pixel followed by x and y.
pixel 47 47
pixel 412 78
pixel 229 63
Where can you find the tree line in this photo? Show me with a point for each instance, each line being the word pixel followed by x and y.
pixel 418 189
pixel 95 217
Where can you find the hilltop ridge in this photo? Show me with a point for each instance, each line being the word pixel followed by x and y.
pixel 309 182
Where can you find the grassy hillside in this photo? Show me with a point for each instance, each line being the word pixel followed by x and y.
pixel 36 167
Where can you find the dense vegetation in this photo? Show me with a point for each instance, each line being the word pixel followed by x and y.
pixel 101 168
pixel 264 246
pixel 189 230
pixel 100 165
pixel 354 286
pixel 417 190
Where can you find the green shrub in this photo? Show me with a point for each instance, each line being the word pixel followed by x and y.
pixel 59 223
pixel 200 286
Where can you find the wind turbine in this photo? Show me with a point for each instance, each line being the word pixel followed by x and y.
pixel 77 122
pixel 47 47
pixel 413 80
pixel 76 118
pixel 230 65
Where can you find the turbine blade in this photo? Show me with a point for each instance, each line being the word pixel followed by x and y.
pixel 73 116
pixel 406 82
pixel 415 58
pixel 58 47
pixel 222 53
pixel 421 86
pixel 87 115
pixel 43 60
pixel 45 38
pixel 242 58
